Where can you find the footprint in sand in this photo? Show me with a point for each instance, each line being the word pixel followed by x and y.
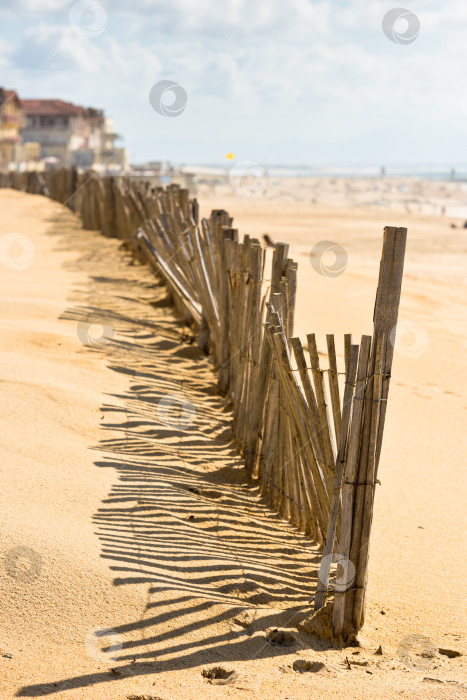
pixel 210 493
pixel 217 675
pixel 191 352
pixel 248 591
pixel 207 493
pixel 304 666
pixel 279 637
pixel 243 621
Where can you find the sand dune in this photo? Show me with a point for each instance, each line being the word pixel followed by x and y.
pixel 121 513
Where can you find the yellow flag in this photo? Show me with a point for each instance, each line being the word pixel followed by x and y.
pixel 229 156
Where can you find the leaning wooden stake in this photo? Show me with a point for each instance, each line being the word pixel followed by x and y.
pixel 334 387
pixel 325 423
pixel 385 320
pixel 340 463
pixel 348 488
pixel 386 313
pixel 368 487
pixel 347 620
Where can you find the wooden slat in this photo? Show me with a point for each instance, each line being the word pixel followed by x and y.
pixel 334 387
pixel 350 474
pixel 338 474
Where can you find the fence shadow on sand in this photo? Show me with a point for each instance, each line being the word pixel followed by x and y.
pixel 221 569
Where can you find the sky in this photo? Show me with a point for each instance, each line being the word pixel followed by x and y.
pixel 278 82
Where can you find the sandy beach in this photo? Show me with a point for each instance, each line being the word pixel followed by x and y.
pixel 113 521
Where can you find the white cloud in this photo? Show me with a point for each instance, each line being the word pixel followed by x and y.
pixel 232 21
pixel 73 53
pixel 40 6
pixel 255 72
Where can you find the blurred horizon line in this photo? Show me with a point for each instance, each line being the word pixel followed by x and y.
pixel 294 170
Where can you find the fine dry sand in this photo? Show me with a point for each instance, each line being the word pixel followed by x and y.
pixel 114 520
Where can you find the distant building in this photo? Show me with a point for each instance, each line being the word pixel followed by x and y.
pixel 37 133
pixel 11 122
pixel 11 119
pixel 56 125
pixel 12 149
pixel 72 135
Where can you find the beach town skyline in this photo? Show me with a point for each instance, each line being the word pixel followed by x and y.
pixel 314 83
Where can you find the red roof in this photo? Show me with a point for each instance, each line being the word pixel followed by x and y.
pixel 51 108
pixel 8 96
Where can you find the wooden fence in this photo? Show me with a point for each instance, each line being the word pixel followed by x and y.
pixel 316 459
